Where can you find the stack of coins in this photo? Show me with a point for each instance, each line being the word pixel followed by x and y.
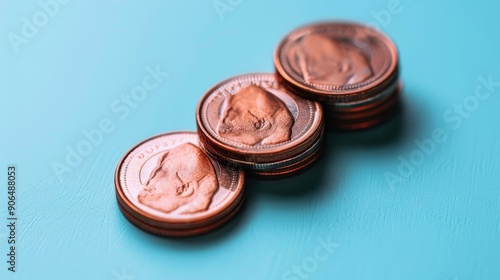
pixel 352 69
pixel 270 125
pixel 254 122
pixel 168 186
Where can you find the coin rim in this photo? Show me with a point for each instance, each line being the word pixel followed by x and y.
pixel 123 200
pixel 318 94
pixel 179 233
pixel 258 155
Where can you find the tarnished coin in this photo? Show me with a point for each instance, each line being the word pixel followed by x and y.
pixel 255 122
pixel 167 185
pixel 337 61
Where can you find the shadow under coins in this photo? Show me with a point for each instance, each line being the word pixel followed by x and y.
pixel 405 124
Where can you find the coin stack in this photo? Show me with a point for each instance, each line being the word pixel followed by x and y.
pixel 350 68
pixel 269 125
pixel 254 122
pixel 168 186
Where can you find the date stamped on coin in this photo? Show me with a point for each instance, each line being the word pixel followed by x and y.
pixel 11 220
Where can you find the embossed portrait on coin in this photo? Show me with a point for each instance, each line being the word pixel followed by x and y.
pixel 255 116
pixel 323 60
pixel 183 182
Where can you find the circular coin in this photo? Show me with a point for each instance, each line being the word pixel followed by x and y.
pixel 252 118
pixel 336 61
pixel 167 185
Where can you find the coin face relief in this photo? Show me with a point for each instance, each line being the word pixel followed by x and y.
pixel 335 58
pixel 254 118
pixel 253 115
pixel 169 182
pixel 320 59
pixel 183 181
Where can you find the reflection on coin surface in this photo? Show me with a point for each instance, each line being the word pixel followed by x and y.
pixel 167 182
pixel 336 61
pixel 252 118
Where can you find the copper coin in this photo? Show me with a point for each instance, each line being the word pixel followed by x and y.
pixel 291 170
pixel 368 103
pixel 168 183
pixel 253 118
pixel 366 122
pixel 336 61
pixel 180 232
pixel 335 113
pixel 288 167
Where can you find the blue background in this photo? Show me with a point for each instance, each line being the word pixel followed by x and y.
pixel 440 220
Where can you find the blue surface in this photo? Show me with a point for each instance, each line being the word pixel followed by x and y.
pixel 436 219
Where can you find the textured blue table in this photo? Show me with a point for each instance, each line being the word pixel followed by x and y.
pixel 417 198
